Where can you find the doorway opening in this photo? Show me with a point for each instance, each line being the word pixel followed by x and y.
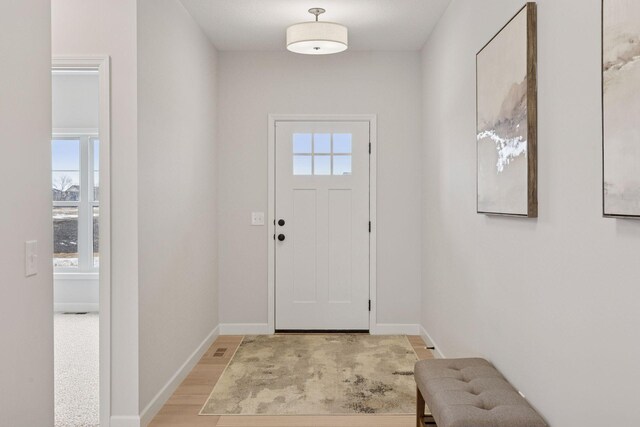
pixel 80 217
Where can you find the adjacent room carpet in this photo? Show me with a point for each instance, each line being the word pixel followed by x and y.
pixel 317 375
pixel 76 370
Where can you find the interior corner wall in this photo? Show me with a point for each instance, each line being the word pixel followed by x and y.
pixel 26 303
pixel 177 195
pixel 254 84
pixel 553 301
pixel 108 27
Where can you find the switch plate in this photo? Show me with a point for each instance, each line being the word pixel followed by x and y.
pixel 31 258
pixel 257 218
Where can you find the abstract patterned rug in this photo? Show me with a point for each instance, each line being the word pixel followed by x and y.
pixel 317 375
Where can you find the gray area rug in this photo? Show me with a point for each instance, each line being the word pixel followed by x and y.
pixel 317 375
pixel 76 370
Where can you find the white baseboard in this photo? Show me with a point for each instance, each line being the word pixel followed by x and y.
pixel 76 307
pixel 245 329
pixel 263 329
pixel 124 421
pixel 395 329
pixel 431 343
pixel 165 392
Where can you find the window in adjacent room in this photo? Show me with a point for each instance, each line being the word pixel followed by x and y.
pixel 75 190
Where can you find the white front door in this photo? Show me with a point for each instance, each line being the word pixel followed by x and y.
pixel 322 225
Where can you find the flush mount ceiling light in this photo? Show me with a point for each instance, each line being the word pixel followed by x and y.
pixel 317 38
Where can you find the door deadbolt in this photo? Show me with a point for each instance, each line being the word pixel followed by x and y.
pixel 281 222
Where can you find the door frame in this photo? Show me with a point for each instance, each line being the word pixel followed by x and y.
pixel 102 64
pixel 372 119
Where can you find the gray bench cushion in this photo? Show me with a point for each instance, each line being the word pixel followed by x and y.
pixel 472 393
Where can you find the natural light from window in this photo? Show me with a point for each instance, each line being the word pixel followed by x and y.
pixel 75 190
pixel 322 154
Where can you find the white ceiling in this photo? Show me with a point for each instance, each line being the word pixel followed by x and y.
pixel 373 24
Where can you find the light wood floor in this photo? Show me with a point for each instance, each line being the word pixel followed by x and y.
pixel 182 409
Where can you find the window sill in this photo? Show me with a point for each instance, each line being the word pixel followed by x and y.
pixel 75 276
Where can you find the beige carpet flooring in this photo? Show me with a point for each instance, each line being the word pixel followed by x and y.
pixel 76 370
pixel 317 374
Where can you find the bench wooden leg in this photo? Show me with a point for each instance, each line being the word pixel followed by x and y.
pixel 421 419
pixel 420 409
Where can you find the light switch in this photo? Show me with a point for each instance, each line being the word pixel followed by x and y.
pixel 31 258
pixel 257 218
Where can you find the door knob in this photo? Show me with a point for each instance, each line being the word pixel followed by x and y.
pixel 281 222
pixel 281 237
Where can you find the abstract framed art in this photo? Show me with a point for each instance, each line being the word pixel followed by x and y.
pixel 621 108
pixel 506 119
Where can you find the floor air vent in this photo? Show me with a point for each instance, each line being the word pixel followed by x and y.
pixel 220 352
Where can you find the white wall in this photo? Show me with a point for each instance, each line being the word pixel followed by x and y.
pixel 177 193
pixel 108 27
pixel 75 101
pixel 552 302
pixel 254 84
pixel 26 304
pixel 76 292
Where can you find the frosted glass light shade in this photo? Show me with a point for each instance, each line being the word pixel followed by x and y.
pixel 317 38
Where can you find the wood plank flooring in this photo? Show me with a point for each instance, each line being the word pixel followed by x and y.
pixel 181 410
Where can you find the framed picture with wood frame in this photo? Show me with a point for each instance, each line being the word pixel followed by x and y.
pixel 621 108
pixel 506 119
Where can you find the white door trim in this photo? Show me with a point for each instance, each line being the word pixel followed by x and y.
pixel 373 135
pixel 101 63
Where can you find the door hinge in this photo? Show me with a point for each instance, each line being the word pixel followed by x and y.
pixel 369 305
pixel 369 226
pixel 369 148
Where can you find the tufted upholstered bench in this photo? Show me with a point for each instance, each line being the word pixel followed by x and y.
pixel 470 393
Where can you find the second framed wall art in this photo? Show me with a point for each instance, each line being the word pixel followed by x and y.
pixel 506 108
pixel 621 108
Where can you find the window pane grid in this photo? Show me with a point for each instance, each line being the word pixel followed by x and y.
pixel 303 164
pixel 321 143
pixel 95 236
pixel 322 154
pixel 94 146
pixel 65 229
pixel 302 143
pixel 75 188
